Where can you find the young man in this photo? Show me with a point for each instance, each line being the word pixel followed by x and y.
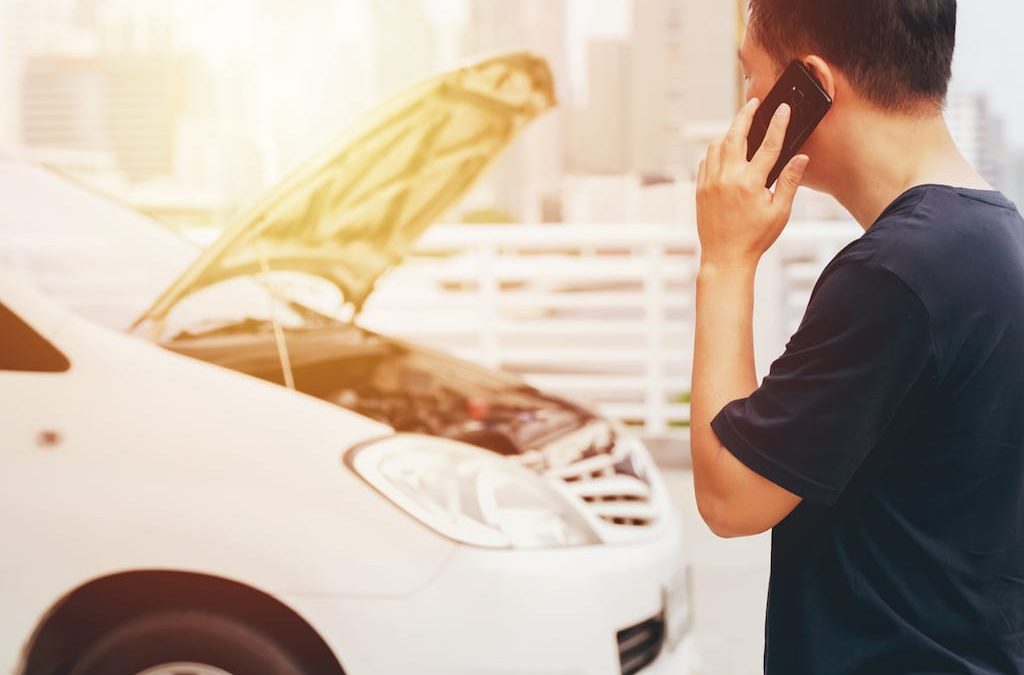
pixel 886 446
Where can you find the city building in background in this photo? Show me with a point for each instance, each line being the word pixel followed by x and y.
pixel 526 184
pixel 1015 175
pixel 190 109
pixel 602 139
pixel 684 54
pixel 183 108
pixel 84 95
pixel 981 136
pixel 405 44
pixel 654 100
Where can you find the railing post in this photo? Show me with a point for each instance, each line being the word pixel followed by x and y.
pixel 656 423
pixel 488 290
pixel 657 252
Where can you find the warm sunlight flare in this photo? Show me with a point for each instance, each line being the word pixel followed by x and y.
pixel 451 337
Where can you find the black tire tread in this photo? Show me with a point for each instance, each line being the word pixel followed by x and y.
pixel 186 636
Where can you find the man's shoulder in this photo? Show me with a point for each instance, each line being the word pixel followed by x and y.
pixel 936 235
pixel 959 252
pixel 930 223
pixel 892 238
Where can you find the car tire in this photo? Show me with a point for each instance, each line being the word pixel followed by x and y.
pixel 185 643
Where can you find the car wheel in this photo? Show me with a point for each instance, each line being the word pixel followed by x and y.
pixel 185 643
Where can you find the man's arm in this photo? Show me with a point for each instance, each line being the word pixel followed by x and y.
pixel 738 220
pixel 733 500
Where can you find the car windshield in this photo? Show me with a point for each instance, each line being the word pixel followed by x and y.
pixel 109 263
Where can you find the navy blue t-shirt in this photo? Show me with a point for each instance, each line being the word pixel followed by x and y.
pixel 897 413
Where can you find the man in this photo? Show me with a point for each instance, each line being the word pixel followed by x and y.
pixel 886 445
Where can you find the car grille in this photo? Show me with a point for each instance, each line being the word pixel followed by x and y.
pixel 640 645
pixel 604 477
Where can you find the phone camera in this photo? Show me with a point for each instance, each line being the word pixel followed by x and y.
pixel 796 98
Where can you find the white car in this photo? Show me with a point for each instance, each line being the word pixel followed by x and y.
pixel 390 510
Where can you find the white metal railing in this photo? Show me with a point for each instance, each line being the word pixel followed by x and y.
pixel 596 312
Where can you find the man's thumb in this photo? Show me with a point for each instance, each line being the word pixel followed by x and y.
pixel 790 179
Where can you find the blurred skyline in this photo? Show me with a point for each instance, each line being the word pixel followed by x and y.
pixel 987 53
pixel 988 57
pixel 188 104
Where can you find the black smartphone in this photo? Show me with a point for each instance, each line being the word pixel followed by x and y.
pixel 809 104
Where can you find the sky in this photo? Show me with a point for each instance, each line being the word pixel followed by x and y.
pixel 988 59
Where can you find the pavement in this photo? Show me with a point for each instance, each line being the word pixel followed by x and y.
pixel 730 584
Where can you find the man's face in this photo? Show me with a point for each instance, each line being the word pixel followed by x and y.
pixel 760 71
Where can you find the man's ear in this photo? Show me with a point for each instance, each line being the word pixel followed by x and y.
pixel 823 72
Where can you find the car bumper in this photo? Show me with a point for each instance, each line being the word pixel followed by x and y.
pixel 542 612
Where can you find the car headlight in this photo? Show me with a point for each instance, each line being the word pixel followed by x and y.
pixel 469 494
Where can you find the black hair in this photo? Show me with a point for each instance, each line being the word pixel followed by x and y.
pixel 896 53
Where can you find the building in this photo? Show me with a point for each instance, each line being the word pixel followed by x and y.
pixel 602 129
pixel 312 74
pixel 217 99
pixel 1014 187
pixel 683 76
pixel 35 29
pixel 405 44
pixel 657 88
pixel 63 104
pixel 76 100
pixel 527 181
pixel 94 89
pixel 979 134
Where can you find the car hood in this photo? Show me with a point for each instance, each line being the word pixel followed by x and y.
pixel 357 208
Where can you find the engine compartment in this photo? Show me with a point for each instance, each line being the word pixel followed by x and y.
pixel 411 388
pixel 415 389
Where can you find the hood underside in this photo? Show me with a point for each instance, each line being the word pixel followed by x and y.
pixel 357 208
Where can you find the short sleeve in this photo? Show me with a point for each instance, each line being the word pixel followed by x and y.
pixel 864 342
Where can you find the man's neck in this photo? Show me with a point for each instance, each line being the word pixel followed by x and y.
pixel 895 154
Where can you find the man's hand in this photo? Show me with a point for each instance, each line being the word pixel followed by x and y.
pixel 738 218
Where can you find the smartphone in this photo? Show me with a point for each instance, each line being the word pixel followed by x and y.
pixel 809 103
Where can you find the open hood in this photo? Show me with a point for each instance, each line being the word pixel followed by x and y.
pixel 356 209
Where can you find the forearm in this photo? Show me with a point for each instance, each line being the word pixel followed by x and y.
pixel 723 360
pixel 737 221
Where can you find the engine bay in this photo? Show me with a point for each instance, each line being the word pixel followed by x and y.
pixel 407 392
pixel 411 388
pixel 415 389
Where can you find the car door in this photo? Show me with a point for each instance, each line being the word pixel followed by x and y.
pixel 33 373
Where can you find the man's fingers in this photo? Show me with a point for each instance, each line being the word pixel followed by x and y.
pixel 736 139
pixel 771 147
pixel 701 173
pixel 789 181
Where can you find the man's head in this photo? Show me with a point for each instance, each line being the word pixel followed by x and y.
pixel 875 57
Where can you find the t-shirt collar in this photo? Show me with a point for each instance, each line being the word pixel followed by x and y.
pixel 993 197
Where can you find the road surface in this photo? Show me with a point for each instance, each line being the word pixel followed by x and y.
pixel 730 584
